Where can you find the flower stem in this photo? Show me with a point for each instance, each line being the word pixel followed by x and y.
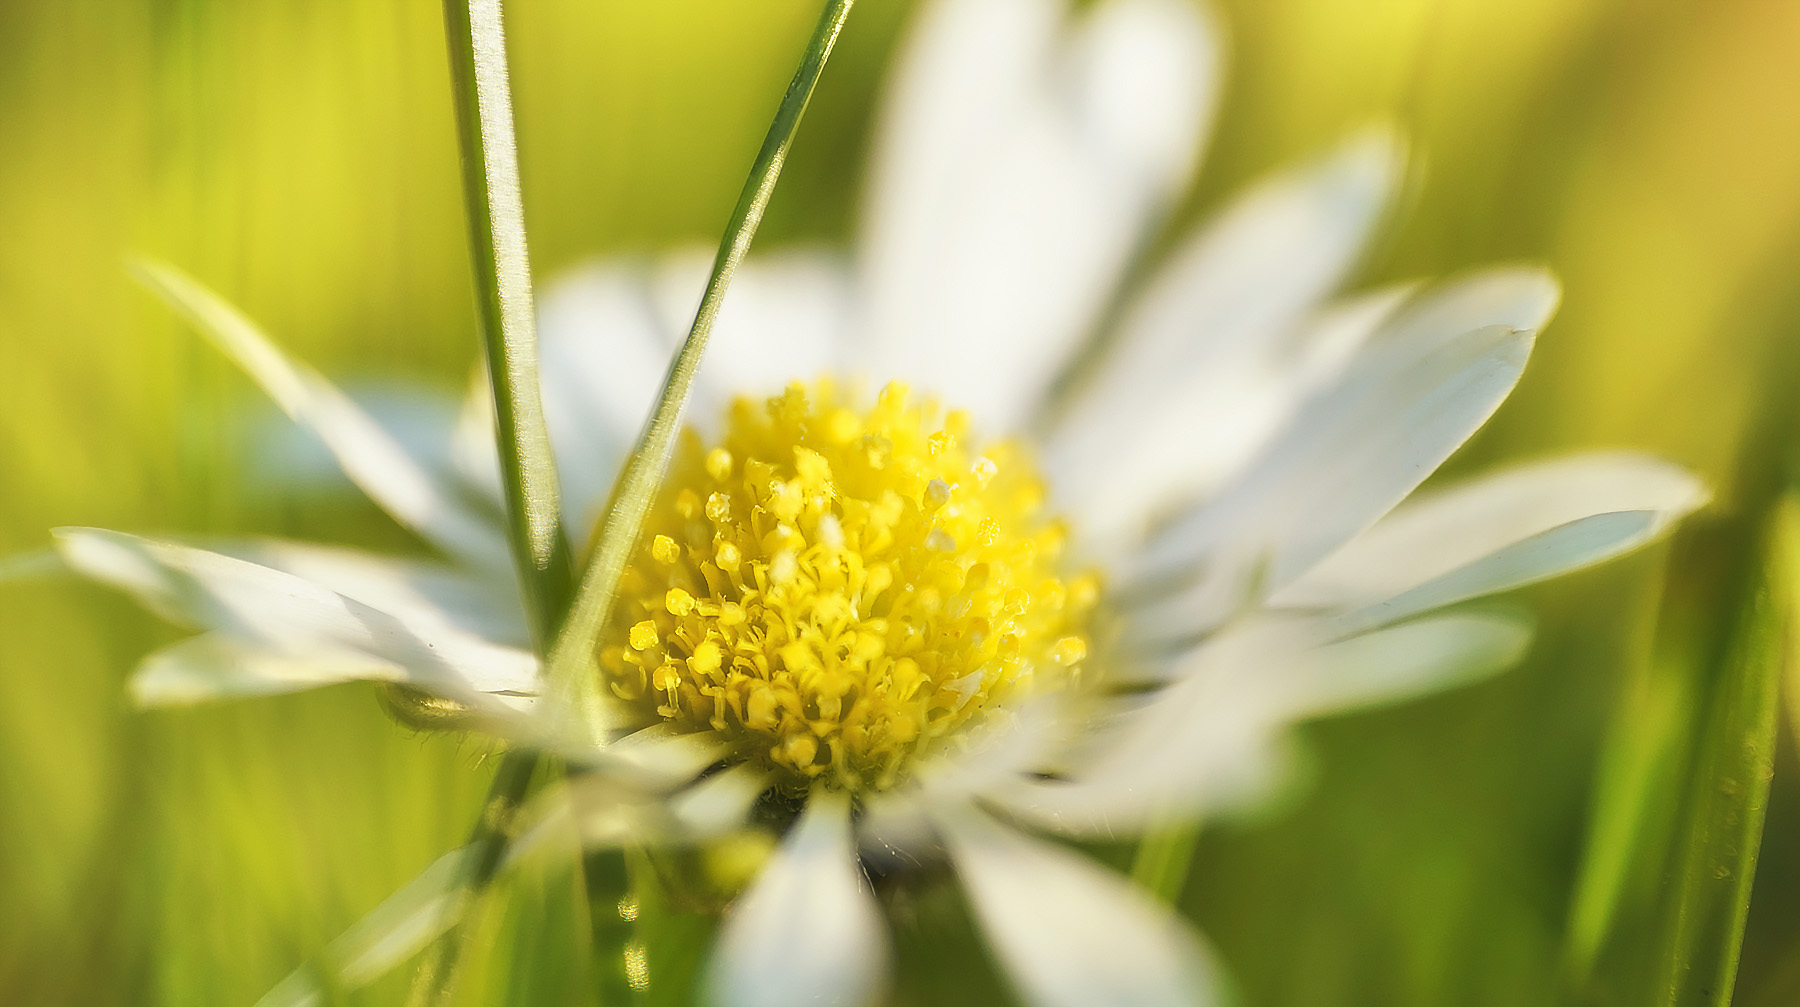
pixel 570 660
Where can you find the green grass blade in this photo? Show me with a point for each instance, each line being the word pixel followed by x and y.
pixel 366 452
pixel 1730 786
pixel 481 862
pixel 1658 909
pixel 1637 795
pixel 571 661
pixel 476 38
pixel 496 217
pixel 391 933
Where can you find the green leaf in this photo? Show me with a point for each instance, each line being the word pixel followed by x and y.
pixel 673 938
pixel 481 861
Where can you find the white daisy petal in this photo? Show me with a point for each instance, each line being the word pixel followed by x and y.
pixel 603 351
pixel 1202 742
pixel 1210 740
pixel 721 801
pixel 1351 454
pixel 783 321
pixel 286 456
pixel 1013 182
pixel 424 593
pixel 1520 297
pixel 665 755
pixel 896 824
pixel 398 928
pixel 1548 553
pixel 1232 293
pixel 1143 458
pixel 1069 932
pixel 622 807
pixel 1147 74
pixel 808 931
pixel 272 612
pixel 474 451
pixel 1402 662
pixel 212 667
pixel 370 456
pixel 1500 531
pixel 610 330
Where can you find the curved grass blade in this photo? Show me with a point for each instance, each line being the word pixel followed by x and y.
pixel 1729 791
pixel 368 454
pixel 1637 800
pixel 427 907
pixel 480 863
pixel 496 216
pixel 571 661
pixel 394 931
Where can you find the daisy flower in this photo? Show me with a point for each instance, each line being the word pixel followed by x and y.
pixel 935 575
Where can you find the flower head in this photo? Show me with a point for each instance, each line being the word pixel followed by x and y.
pixel 1009 595
pixel 835 589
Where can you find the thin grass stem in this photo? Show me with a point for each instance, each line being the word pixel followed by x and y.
pixel 496 216
pixel 494 204
pixel 571 658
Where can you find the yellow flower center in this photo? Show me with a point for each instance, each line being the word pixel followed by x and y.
pixel 838 590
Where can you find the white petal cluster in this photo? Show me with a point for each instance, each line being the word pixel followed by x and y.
pixel 1240 460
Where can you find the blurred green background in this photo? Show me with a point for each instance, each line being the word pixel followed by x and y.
pixel 299 155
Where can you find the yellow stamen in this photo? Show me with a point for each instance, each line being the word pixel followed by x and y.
pixel 860 586
pixel 643 635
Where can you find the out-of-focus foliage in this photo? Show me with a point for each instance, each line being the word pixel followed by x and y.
pixel 300 156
